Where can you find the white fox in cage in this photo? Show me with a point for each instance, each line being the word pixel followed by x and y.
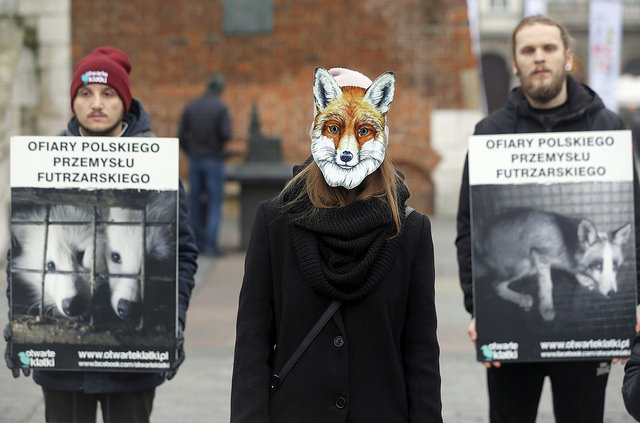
pixel 126 250
pixel 53 258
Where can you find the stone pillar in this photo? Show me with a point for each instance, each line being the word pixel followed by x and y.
pixel 35 73
pixel 11 37
pixel 450 130
pixel 51 21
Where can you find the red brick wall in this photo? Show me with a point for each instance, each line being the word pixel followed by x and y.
pixel 175 45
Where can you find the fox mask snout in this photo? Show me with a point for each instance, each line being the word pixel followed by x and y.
pixel 348 136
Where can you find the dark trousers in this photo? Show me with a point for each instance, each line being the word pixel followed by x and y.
pixel 77 407
pixel 577 388
pixel 206 175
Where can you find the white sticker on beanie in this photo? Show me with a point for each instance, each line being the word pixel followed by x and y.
pixel 95 77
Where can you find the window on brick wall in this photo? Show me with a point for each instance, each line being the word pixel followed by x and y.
pixel 632 67
pixel 248 17
pixel 500 7
pixel 496 80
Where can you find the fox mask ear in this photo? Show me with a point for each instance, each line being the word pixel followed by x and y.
pixel 380 93
pixel 325 88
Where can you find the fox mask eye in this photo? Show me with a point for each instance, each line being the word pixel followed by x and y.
pixel 363 133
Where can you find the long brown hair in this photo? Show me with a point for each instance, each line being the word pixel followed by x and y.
pixel 382 184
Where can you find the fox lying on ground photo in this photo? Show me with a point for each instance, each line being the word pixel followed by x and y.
pixel 525 242
pixel 348 135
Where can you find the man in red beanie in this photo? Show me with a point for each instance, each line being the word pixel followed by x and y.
pixel 102 105
pixel 101 94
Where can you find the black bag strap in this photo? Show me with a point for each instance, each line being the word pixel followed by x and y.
pixel 277 379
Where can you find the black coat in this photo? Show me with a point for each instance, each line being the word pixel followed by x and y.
pixel 376 360
pixel 585 111
pixel 205 127
pixel 631 381
pixel 139 125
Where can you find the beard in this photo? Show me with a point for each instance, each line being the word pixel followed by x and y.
pixel 105 133
pixel 543 93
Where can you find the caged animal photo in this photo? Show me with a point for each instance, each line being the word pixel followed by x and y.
pixel 140 249
pixel 52 258
pixel 533 243
pixel 104 266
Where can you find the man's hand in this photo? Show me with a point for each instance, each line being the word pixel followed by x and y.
pixel 473 335
pixel 170 374
pixel 623 361
pixel 11 363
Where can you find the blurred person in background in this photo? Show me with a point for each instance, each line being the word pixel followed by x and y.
pixel 205 128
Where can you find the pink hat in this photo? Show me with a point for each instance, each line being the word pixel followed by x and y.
pixel 350 78
pixel 104 65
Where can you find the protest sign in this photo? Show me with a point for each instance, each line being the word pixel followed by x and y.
pixel 553 235
pixel 94 252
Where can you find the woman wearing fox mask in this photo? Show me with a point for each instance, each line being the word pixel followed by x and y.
pixel 339 242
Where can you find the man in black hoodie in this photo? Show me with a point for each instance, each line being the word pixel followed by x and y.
pixel 548 100
pixel 102 105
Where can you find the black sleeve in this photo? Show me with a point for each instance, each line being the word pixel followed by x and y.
pixel 255 329
pixel 463 239
pixel 187 257
pixel 224 126
pixel 421 352
pixel 631 381
pixel 636 202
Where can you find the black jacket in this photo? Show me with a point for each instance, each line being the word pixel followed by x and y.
pixel 584 111
pixel 376 360
pixel 631 381
pixel 205 127
pixel 139 125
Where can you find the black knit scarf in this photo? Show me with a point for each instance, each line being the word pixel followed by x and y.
pixel 345 252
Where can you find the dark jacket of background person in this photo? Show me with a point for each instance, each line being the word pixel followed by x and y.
pixel 376 360
pixel 631 381
pixel 205 125
pixel 139 125
pixel 585 111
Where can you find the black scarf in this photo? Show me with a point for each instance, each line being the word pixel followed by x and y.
pixel 345 252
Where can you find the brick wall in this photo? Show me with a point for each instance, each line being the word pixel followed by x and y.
pixel 175 46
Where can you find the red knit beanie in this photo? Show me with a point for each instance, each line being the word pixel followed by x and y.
pixel 104 65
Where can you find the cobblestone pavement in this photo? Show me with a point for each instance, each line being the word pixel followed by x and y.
pixel 200 391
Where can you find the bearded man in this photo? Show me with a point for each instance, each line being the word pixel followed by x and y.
pixel 548 99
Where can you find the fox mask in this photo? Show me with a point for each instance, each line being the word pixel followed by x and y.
pixel 348 138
